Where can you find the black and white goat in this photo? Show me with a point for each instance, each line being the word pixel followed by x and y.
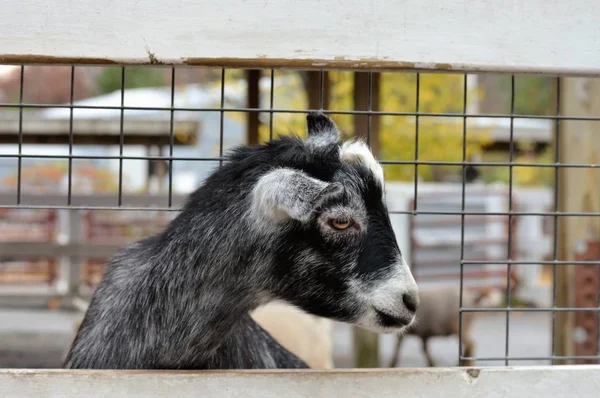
pixel 300 221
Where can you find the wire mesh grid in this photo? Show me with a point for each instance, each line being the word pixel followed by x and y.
pixel 172 202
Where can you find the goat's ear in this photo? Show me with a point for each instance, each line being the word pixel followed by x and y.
pixel 285 193
pixel 321 130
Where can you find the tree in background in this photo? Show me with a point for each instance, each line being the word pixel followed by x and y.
pixel 440 139
pixel 109 79
pixel 527 175
pixel 534 95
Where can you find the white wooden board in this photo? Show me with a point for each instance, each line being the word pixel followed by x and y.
pixel 533 382
pixel 493 35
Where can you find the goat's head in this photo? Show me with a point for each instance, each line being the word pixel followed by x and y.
pixel 336 254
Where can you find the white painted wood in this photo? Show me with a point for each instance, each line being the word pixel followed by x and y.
pixel 529 382
pixel 492 35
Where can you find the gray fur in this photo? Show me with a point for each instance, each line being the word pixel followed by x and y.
pixel 284 193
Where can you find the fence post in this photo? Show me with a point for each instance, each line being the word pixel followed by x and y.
pixel 585 333
pixel 253 79
pixel 579 191
pixel 366 97
pixel 75 260
pixel 317 89
pixel 68 279
pixel 366 94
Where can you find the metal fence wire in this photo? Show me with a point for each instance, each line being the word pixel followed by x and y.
pixel 264 112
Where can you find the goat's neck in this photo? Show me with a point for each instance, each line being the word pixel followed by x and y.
pixel 204 321
pixel 221 334
pixel 213 291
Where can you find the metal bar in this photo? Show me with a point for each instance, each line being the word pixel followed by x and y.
pixel 222 118
pixel 271 99
pixel 107 157
pixel 499 213
pixel 511 155
pixel 98 199
pixel 549 262
pixel 19 165
pixel 70 176
pixel 329 112
pixel 555 223
pixel 88 207
pixel 394 162
pixel 416 162
pixel 474 242
pixel 171 135
pixel 455 221
pixel 460 213
pixel 541 358
pixel 462 224
pixel 514 164
pixel 432 273
pixel 433 262
pixel 121 136
pixel 369 105
pixel 516 309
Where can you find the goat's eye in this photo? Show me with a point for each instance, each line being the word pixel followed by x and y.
pixel 340 223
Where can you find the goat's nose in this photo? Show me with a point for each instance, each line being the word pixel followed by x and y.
pixel 411 301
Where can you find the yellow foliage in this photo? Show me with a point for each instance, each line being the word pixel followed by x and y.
pixel 531 176
pixel 290 95
pixel 440 138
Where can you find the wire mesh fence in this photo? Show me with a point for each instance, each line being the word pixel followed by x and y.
pixel 124 161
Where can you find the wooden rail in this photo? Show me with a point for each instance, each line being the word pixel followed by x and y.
pixel 527 382
pixel 552 36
